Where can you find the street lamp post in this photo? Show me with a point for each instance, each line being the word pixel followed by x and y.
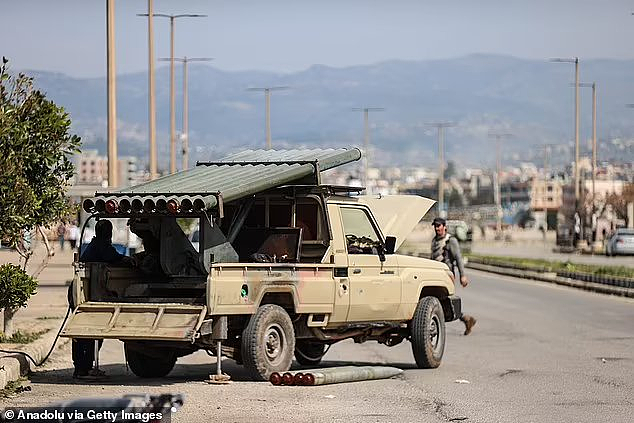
pixel 440 126
pixel 366 138
pixel 172 18
pixel 185 129
pixel 575 60
pixel 153 165
pixel 112 96
pixel 593 85
pixel 498 168
pixel 267 112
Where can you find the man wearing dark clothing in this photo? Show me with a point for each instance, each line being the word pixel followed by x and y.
pixel 446 249
pixel 99 250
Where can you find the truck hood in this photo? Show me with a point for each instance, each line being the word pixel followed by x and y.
pixel 397 215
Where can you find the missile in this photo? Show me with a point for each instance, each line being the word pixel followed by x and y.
pixel 331 375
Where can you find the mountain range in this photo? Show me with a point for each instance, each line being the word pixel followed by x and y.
pixel 531 100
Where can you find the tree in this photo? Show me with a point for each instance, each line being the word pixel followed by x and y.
pixel 619 202
pixel 35 158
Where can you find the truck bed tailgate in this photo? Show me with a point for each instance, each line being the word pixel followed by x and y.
pixel 169 322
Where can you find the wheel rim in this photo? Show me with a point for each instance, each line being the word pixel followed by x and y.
pixel 434 333
pixel 274 343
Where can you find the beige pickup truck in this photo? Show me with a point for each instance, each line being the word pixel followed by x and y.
pixel 282 269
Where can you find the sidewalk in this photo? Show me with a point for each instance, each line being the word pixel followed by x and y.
pixel 45 310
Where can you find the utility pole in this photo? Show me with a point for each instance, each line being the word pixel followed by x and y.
pixel 547 152
pixel 172 98
pixel 112 96
pixel 366 138
pixel 498 168
pixel 267 112
pixel 440 126
pixel 151 89
pixel 548 149
pixel 185 129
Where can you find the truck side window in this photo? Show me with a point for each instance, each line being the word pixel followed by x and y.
pixel 307 220
pixel 361 237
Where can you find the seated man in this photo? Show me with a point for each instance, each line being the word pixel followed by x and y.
pixel 148 260
pixel 100 248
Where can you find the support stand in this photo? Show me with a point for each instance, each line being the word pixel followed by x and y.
pixel 219 332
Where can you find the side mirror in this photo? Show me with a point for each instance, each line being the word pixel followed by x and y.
pixel 390 244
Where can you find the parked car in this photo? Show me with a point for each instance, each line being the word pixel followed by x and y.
pixel 620 243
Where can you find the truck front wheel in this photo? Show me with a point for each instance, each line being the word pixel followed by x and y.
pixel 146 366
pixel 268 342
pixel 428 333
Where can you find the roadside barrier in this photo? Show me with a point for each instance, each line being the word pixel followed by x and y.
pixel 596 283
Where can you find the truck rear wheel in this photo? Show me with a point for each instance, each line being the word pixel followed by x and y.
pixel 268 342
pixel 428 333
pixel 309 353
pixel 146 366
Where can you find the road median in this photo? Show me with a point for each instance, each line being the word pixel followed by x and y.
pixel 605 284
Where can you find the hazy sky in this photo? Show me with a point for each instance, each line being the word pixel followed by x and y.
pixel 288 35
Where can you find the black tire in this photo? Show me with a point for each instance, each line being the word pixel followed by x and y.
pixel 309 353
pixel 428 333
pixel 268 342
pixel 146 366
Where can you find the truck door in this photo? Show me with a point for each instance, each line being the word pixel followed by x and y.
pixel 340 271
pixel 375 285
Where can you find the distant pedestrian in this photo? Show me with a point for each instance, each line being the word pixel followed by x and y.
pixel 61 235
pixel 73 235
pixel 446 249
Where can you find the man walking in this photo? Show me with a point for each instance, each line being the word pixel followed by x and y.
pixel 446 249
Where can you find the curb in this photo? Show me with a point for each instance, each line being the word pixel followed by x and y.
pixel 14 366
pixel 553 278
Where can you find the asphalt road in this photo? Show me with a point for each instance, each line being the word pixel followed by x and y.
pixel 539 353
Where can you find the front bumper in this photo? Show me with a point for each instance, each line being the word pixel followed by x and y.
pixel 452 307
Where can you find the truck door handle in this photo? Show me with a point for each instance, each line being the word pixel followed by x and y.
pixel 356 271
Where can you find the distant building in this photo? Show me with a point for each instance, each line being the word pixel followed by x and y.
pixel 92 168
pixel 546 194
pixel 546 197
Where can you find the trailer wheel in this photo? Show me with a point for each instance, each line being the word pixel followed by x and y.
pixel 428 333
pixel 145 366
pixel 309 353
pixel 268 342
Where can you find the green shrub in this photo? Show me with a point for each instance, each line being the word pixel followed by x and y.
pixel 554 266
pixel 16 286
